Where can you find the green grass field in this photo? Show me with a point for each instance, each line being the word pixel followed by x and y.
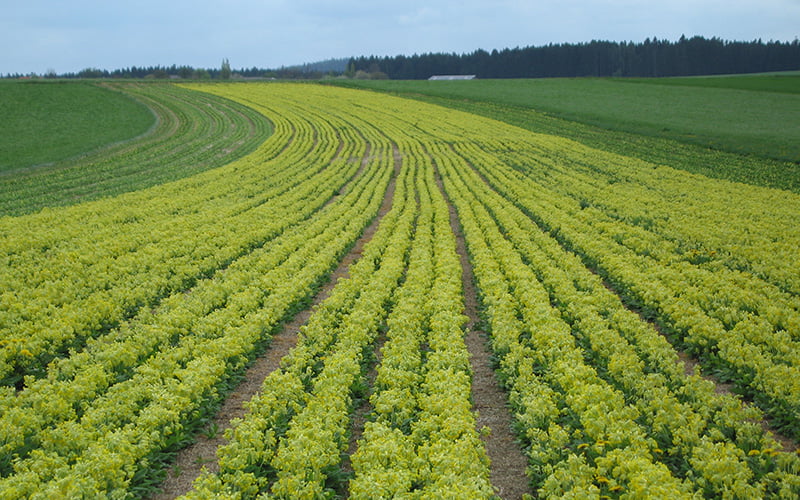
pixel 761 122
pixel 194 132
pixel 746 136
pixel 43 123
pixel 787 82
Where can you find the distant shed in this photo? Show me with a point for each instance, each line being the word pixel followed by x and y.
pixel 452 77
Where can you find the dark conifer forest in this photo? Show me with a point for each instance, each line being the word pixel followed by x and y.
pixel 651 58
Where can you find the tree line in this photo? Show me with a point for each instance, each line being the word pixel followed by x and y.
pixel 332 67
pixel 651 58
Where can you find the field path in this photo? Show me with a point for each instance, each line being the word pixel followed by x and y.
pixel 489 400
pixel 191 460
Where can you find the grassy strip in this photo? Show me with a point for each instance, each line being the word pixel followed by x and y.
pixel 52 122
pixel 195 132
pixel 756 147
pixel 786 82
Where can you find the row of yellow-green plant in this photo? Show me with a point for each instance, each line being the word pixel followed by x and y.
pixel 291 440
pixel 706 443
pixel 602 403
pixel 421 440
pixel 168 389
pixel 74 273
pixel 742 322
pixel 90 427
pixel 583 437
pixel 678 217
pixel 703 437
pixel 601 399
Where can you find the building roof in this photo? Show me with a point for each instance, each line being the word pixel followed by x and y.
pixel 452 77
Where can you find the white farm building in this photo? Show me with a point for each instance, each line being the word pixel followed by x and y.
pixel 452 77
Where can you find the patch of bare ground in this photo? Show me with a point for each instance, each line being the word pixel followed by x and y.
pixel 508 462
pixel 190 461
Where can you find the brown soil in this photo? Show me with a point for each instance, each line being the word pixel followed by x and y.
pixel 190 461
pixel 508 462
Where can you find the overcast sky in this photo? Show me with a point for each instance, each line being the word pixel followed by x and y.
pixel 67 36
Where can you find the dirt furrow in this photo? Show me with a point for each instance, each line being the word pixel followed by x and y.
pixel 508 462
pixel 190 461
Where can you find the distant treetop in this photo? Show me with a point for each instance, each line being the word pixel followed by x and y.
pixel 651 58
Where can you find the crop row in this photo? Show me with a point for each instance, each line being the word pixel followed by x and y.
pixel 679 217
pixel 600 394
pixel 193 132
pixel 601 399
pixel 742 320
pixel 92 424
pixel 77 272
pixel 423 439
pixel 296 428
pixel 116 345
pixel 588 376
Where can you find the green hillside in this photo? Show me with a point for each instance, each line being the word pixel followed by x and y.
pixel 746 136
pixel 43 123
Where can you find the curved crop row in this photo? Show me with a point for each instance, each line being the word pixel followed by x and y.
pixel 114 358
pixel 183 319
pixel 601 399
pixel 193 132
pixel 90 426
pixel 588 375
pixel 584 438
pixel 72 280
pixel 743 326
pixel 424 440
pixel 291 440
pixel 692 427
pixel 678 217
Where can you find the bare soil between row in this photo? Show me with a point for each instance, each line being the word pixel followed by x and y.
pixel 508 463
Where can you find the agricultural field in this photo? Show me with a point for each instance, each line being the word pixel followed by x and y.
pixel 740 128
pixel 76 117
pixel 188 132
pixel 371 269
